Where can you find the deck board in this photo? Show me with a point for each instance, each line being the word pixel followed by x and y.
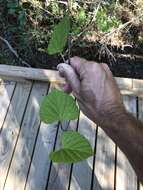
pixel 25 144
pixel 82 172
pixel 104 162
pixel 6 92
pixel 11 128
pixel 126 178
pixel 140 116
pixel 39 170
pixel 37 178
pixel 60 173
pixel 18 171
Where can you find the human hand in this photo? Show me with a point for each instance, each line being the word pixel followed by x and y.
pixel 95 89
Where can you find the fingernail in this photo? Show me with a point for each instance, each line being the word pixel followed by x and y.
pixel 60 68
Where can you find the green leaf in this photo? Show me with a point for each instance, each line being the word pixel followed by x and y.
pixel 59 37
pixel 58 106
pixel 81 16
pixel 105 22
pixel 75 148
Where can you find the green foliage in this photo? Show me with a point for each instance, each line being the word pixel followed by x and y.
pixel 16 10
pixel 58 106
pixel 79 21
pixel 28 24
pixel 75 148
pixel 55 8
pixel 60 36
pixel 106 22
pixel 81 16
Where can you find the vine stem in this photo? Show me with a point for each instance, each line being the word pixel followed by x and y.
pixel 69 56
pixel 66 128
pixel 63 58
pixel 69 48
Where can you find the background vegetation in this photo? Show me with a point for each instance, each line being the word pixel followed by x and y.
pixel 26 27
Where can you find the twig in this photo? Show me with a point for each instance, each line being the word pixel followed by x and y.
pixel 109 53
pixel 63 57
pixel 65 128
pixel 89 25
pixel 69 48
pixel 132 3
pixel 63 2
pixel 121 27
pixel 14 52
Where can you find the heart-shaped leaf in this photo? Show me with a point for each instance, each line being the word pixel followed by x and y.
pixel 59 37
pixel 58 106
pixel 75 148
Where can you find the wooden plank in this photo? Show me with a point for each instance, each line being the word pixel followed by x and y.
pixel 82 172
pixel 104 162
pixel 126 178
pixel 140 117
pixel 124 83
pixel 140 109
pixel 127 86
pixel 132 92
pixel 138 84
pixel 40 165
pixel 11 127
pixel 39 169
pixel 6 92
pixel 60 173
pixel 18 171
pixel 30 73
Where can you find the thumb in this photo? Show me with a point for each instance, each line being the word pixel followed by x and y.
pixel 70 75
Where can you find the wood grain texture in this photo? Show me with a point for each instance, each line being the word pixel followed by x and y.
pixel 126 85
pixel 6 91
pixel 40 165
pixel 30 73
pixel 140 109
pixel 140 116
pixel 126 178
pixel 82 171
pixel 39 169
pixel 60 173
pixel 104 162
pixel 138 84
pixel 18 171
pixel 11 128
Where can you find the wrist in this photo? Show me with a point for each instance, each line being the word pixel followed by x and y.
pixel 121 127
pixel 114 120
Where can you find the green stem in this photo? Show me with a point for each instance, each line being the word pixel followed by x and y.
pixel 64 128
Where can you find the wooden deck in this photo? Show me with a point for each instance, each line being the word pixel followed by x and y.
pixel 25 142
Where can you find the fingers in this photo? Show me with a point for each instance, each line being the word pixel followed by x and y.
pixel 71 77
pixel 76 63
pixel 107 69
pixel 67 88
